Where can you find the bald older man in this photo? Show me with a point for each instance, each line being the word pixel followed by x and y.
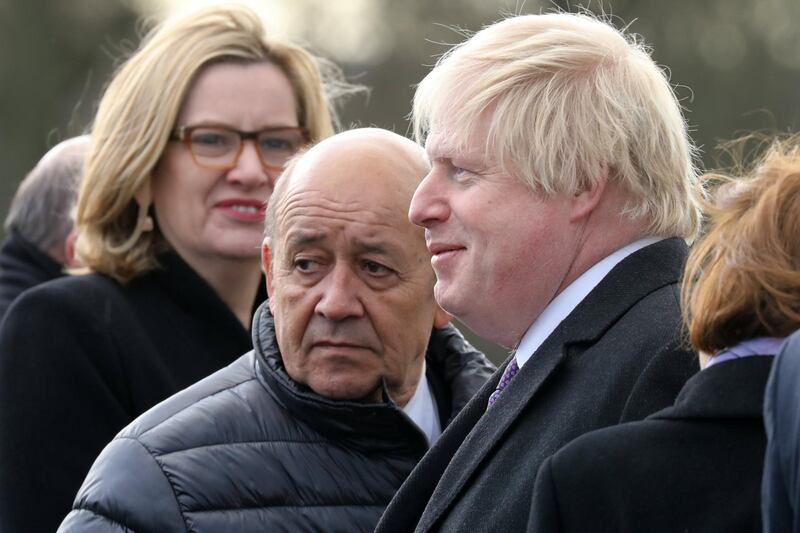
pixel 353 375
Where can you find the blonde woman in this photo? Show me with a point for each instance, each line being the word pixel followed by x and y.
pixel 696 466
pixel 187 143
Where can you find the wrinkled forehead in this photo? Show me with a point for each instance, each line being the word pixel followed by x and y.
pixel 358 211
pixel 344 203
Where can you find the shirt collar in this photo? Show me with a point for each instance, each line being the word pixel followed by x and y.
pixel 421 409
pixel 748 348
pixel 567 300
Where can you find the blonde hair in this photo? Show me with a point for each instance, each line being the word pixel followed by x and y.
pixel 742 278
pixel 138 112
pixel 569 96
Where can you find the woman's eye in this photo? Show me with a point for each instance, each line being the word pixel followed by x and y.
pixel 276 144
pixel 209 139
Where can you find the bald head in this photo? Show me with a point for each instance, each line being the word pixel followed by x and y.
pixel 41 209
pixel 69 152
pixel 362 163
pixel 349 277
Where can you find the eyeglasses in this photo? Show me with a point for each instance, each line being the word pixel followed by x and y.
pixel 219 148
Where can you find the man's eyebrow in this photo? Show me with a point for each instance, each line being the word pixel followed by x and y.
pixel 304 237
pixel 447 153
pixel 388 248
pixel 372 247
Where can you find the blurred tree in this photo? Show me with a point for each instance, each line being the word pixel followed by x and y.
pixel 736 63
pixel 54 58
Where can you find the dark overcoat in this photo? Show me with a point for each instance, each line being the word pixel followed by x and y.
pixel 80 358
pixel 618 356
pixel 22 266
pixel 695 466
pixel 781 484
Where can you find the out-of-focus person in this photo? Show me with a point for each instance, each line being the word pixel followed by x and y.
pixel 188 140
pixel 40 239
pixel 560 195
pixel 346 387
pixel 780 490
pixel 697 465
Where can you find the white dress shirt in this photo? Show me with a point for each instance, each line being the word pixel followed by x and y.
pixel 568 299
pixel 422 410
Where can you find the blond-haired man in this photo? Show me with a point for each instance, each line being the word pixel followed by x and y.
pixel 556 211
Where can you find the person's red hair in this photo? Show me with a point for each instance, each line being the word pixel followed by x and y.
pixel 742 278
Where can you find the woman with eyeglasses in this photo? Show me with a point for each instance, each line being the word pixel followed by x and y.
pixel 188 140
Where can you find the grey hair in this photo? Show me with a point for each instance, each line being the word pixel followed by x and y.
pixel 41 211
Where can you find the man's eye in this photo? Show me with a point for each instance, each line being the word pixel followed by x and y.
pixel 376 269
pixel 459 173
pixel 306 266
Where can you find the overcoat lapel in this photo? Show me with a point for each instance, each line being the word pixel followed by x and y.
pixel 490 426
pixel 404 511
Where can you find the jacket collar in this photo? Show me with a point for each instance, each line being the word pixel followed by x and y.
pixel 365 426
pixel 652 267
pixel 368 426
pixel 21 257
pixel 731 389
pixel 189 290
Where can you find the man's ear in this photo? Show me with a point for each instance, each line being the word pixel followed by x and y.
pixel 70 261
pixel 588 198
pixel 267 265
pixel 441 318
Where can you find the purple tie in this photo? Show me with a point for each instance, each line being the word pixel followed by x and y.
pixel 508 374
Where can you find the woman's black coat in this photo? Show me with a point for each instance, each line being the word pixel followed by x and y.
pixel 80 358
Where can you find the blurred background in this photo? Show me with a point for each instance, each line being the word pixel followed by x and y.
pixel 735 63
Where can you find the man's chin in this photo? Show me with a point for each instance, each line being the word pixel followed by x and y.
pixel 444 297
pixel 349 393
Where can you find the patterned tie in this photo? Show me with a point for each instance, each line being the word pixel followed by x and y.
pixel 510 371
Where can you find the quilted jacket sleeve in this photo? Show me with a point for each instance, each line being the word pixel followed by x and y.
pixel 126 490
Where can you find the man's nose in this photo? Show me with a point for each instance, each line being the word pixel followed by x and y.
pixel 428 204
pixel 341 298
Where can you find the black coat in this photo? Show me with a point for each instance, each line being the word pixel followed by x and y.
pixel 781 484
pixel 248 449
pixel 22 266
pixel 693 467
pixel 618 356
pixel 80 358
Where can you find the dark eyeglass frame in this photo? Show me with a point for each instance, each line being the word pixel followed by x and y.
pixel 184 134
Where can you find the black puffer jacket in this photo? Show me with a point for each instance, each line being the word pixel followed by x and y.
pixel 248 449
